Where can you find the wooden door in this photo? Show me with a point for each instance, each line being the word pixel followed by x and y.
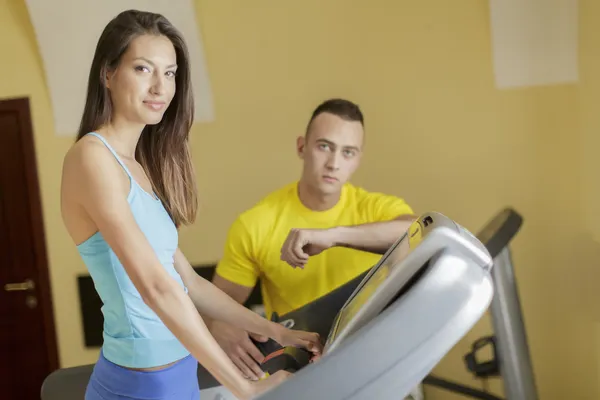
pixel 28 350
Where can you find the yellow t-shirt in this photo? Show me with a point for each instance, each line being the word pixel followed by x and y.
pixel 253 246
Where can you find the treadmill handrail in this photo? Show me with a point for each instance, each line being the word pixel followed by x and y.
pixel 500 230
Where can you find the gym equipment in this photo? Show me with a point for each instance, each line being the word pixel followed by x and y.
pixel 400 319
pixel 424 295
pixel 511 357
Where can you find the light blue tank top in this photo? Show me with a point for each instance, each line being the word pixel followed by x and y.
pixel 134 336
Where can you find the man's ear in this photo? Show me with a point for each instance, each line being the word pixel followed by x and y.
pixel 300 146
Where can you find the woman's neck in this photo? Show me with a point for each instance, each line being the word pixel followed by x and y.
pixel 123 137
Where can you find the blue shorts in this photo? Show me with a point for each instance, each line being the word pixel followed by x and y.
pixel 113 382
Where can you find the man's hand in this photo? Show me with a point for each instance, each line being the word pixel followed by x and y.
pixel 303 243
pixel 237 345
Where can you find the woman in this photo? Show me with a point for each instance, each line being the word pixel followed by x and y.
pixel 127 185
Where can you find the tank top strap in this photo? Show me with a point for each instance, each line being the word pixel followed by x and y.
pixel 113 152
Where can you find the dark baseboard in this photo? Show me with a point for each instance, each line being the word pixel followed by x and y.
pixel 90 304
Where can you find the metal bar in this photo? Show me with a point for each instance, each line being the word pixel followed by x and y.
pixel 458 388
pixel 507 319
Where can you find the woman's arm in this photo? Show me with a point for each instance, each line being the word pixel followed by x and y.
pixel 92 180
pixel 216 304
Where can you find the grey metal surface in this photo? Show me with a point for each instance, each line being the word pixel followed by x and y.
pixel 394 351
pixel 509 328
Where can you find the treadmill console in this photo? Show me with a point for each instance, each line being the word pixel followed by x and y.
pixel 392 276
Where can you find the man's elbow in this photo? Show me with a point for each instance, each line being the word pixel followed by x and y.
pixel 403 222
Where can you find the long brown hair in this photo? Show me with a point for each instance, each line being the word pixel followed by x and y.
pixel 163 149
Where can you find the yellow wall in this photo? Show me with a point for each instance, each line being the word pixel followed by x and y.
pixel 590 119
pixel 589 100
pixel 439 134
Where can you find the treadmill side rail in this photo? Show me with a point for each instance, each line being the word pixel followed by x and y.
pixel 507 319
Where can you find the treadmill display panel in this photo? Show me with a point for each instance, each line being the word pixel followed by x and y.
pixel 381 273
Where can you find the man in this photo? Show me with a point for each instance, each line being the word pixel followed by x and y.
pixel 282 240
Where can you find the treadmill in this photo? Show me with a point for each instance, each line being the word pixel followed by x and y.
pixel 413 306
pixel 511 352
pixel 384 331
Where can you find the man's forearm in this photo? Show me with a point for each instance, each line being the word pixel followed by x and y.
pixel 376 237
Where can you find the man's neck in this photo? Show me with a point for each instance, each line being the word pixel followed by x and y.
pixel 315 200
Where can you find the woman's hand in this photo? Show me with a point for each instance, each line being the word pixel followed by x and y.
pixel 288 337
pixel 308 340
pixel 259 387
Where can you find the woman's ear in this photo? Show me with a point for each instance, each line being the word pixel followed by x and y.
pixel 106 77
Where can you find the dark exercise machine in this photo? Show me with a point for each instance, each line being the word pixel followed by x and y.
pixel 387 329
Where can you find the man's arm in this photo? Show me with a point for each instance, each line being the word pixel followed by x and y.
pixel 237 292
pixel 237 271
pixel 386 219
pixel 376 237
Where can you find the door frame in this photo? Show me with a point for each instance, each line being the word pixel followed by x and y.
pixel 21 107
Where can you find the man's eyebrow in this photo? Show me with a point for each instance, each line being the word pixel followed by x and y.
pixel 335 145
pixel 326 141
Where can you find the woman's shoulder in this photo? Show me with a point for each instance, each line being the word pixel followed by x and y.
pixel 91 177
pixel 84 146
pixel 89 162
pixel 87 151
